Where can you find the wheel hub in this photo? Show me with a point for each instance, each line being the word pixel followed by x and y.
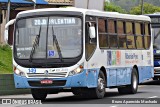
pixel 100 84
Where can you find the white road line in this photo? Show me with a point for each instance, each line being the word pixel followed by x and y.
pixel 153 97
pixel 114 106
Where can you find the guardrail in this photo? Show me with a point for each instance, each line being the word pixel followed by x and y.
pixel 7 86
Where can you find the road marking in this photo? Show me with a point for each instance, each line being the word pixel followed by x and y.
pixel 153 97
pixel 114 106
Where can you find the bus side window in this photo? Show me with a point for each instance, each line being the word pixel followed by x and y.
pixel 130 36
pixel 121 34
pixel 90 43
pixel 147 36
pixel 102 33
pixel 139 35
pixel 113 43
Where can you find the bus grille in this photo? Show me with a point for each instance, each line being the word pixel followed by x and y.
pixel 156 57
pixel 53 75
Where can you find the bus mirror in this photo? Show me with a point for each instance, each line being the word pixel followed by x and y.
pixel 6 30
pixel 92 31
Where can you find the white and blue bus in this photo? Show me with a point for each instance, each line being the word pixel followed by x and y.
pixel 155 23
pixel 82 51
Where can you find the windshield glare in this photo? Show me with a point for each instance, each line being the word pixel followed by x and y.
pixel 64 33
pixel 156 34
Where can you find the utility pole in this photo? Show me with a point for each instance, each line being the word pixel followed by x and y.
pixel 8 9
pixel 87 4
pixel 142 2
pixel 34 1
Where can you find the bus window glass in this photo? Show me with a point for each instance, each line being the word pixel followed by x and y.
pixel 130 41
pixel 147 36
pixel 121 35
pixel 138 34
pixel 112 34
pixel 111 26
pixel 120 27
pixel 90 43
pixel 130 36
pixel 138 28
pixel 102 26
pixel 113 40
pixel 129 29
pixel 139 42
pixel 102 31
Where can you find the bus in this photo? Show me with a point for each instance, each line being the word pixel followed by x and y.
pixel 155 24
pixel 82 51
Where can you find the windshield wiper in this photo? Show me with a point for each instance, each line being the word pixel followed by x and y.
pixel 35 44
pixel 57 45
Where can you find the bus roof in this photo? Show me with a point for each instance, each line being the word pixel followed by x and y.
pixel 154 14
pixel 91 12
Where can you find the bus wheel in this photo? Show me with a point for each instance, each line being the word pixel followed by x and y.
pixel 99 91
pixel 39 94
pixel 131 89
pixel 78 91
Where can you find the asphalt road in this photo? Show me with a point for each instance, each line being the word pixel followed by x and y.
pixel 149 90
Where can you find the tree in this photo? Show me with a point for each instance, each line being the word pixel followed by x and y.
pixel 113 8
pixel 147 9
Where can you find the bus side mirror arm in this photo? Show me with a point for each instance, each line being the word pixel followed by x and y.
pixel 6 30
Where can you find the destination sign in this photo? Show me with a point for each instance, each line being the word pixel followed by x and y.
pixel 54 21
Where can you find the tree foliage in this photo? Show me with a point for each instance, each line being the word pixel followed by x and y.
pixel 128 4
pixel 147 9
pixel 113 8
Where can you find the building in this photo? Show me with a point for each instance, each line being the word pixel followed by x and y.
pixel 20 5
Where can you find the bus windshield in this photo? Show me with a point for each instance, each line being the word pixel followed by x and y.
pixel 48 38
pixel 156 34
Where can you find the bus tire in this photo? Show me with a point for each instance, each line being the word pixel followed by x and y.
pixel 78 91
pixel 99 91
pixel 39 94
pixel 131 89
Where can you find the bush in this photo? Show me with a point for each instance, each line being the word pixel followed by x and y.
pixel 5 59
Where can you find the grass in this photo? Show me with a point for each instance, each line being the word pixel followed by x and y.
pixel 5 60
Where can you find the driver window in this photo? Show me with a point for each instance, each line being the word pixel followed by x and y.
pixel 91 43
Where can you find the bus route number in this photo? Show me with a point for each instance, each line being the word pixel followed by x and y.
pixel 32 70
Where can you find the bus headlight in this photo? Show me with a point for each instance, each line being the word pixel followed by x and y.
pixel 76 71
pixel 18 72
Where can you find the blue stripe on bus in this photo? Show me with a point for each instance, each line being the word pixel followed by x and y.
pixel 88 78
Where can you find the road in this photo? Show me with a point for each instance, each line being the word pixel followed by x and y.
pixel 147 90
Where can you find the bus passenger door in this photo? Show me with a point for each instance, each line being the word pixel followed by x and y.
pixel 90 47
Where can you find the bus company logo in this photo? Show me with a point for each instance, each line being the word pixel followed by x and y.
pixel 46 72
pixel 131 56
pixel 53 70
pixel 113 57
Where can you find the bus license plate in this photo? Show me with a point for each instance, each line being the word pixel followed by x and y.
pixel 46 81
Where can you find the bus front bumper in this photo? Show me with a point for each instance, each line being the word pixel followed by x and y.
pixel 157 71
pixel 84 79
